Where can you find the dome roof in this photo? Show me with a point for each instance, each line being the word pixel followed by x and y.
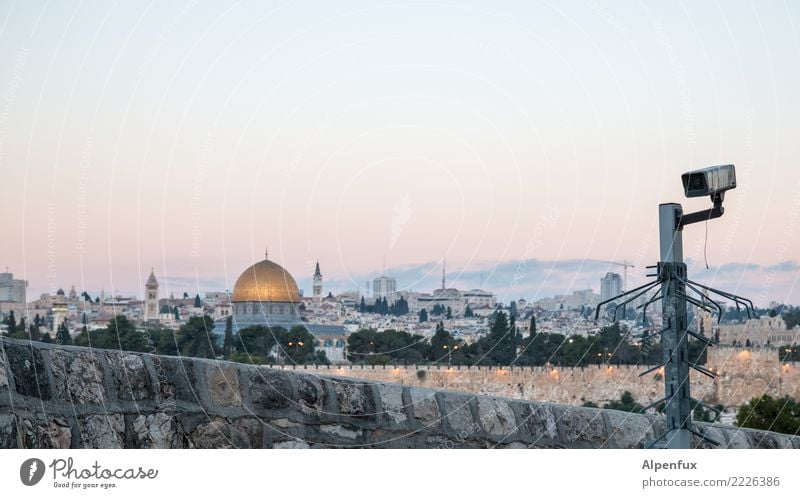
pixel 266 281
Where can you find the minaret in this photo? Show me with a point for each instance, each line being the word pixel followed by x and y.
pixel 151 298
pixel 317 284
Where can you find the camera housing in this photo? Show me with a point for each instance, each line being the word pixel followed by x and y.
pixel 709 181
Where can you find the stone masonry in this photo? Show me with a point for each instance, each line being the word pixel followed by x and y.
pixel 70 397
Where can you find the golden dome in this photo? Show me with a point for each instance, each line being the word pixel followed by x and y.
pixel 266 281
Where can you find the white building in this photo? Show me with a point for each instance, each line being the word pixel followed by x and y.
pixel 384 286
pixel 610 286
pixel 12 290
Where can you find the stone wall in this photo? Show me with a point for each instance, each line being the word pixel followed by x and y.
pixel 742 375
pixel 70 397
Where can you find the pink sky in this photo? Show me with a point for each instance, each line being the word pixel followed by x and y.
pixel 188 138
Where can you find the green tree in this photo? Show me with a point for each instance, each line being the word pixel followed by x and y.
pixel 227 344
pixel 62 334
pixel 258 341
pixel 626 403
pixel 195 338
pixel 423 315
pixel 532 328
pixel 298 346
pixel 198 303
pixel 766 413
pixel 468 313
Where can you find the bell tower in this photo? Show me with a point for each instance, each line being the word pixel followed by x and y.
pixel 317 285
pixel 151 298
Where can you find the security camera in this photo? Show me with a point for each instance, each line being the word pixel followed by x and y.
pixel 711 181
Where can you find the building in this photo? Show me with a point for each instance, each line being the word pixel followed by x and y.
pixel 610 286
pixel 12 290
pixel 151 310
pixel 317 290
pixel 384 287
pixel 762 331
pixel 266 295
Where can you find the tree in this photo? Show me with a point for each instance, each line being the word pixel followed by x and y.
pixel 62 334
pixel 423 315
pixel 258 341
pixel 298 346
pixel 532 328
pixel 468 313
pixel 176 313
pixel 227 344
pixel 363 306
pixel 195 338
pixel 441 342
pixel 186 295
pixel 11 322
pixel 626 403
pixel 198 303
pixel 449 314
pixel 512 309
pixel 766 413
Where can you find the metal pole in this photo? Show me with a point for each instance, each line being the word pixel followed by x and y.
pixel 674 340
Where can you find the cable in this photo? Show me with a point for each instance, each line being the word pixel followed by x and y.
pixel 705 246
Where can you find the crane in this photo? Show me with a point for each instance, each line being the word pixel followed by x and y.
pixel 625 264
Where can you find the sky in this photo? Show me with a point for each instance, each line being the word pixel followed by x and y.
pixel 187 137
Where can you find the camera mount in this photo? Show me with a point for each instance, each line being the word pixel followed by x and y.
pixel 673 287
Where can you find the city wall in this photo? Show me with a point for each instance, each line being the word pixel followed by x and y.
pixel 742 374
pixel 69 397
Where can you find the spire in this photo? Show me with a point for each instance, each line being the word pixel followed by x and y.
pixel 151 280
pixel 444 263
pixel 317 273
pixel 266 253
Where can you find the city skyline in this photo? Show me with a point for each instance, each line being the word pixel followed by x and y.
pixel 512 280
pixel 185 137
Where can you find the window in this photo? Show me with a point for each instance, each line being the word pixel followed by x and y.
pixel 328 343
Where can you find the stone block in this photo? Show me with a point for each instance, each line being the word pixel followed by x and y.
pixel 737 439
pixel 628 430
pixel 353 398
pixel 768 440
pixel 311 394
pixel 45 432
pixel 156 431
pixel 423 402
pixel 540 422
pixel 219 433
pixel 131 377
pixel 271 390
pixel 458 415
pixel 102 431
pixel 77 376
pixel 223 385
pixel 8 432
pixel 26 366
pixel 179 381
pixel 496 417
pixel 341 431
pixel 392 402
pixel 581 427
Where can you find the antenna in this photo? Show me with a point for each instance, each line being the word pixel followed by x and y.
pixel 671 285
pixel 444 263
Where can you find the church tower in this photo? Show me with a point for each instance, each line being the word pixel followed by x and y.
pixel 151 298
pixel 317 285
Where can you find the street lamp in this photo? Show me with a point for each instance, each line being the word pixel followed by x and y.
pixel 449 349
